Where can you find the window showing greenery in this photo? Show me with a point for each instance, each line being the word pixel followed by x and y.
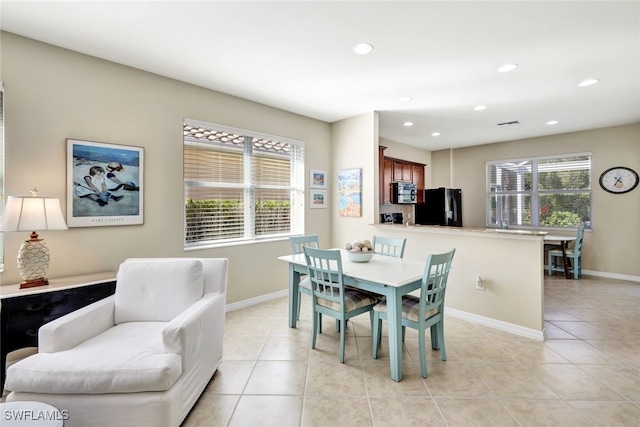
pixel 240 186
pixel 552 192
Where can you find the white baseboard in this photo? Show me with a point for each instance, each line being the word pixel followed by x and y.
pixel 606 275
pixel 495 324
pixel 257 300
pixel 611 275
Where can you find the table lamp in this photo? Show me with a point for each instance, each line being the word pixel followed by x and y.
pixel 24 213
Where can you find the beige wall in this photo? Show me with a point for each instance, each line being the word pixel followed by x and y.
pixel 613 246
pixel 52 94
pixel 441 169
pixel 355 145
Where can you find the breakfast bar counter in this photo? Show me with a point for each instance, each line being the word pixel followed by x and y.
pixel 447 230
pixel 508 262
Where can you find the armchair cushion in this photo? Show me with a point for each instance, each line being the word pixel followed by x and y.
pixel 127 358
pixel 157 291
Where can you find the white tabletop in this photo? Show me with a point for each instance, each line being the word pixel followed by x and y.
pixel 381 269
pixel 558 238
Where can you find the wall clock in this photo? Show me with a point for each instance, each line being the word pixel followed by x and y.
pixel 619 179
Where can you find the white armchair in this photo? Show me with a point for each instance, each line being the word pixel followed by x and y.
pixel 141 357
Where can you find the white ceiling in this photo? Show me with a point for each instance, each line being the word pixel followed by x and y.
pixel 297 56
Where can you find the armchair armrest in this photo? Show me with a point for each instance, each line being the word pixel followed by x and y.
pixel 76 327
pixel 197 333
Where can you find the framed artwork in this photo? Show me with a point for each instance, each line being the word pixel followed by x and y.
pixel 104 184
pixel 318 199
pixel 317 179
pixel 350 192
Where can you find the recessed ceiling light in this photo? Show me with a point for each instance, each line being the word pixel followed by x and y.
pixel 588 82
pixel 407 124
pixel 507 67
pixel 552 122
pixel 480 107
pixel 363 48
pixel 406 99
pixel 435 134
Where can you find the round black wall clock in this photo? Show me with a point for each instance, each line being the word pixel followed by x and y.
pixel 619 179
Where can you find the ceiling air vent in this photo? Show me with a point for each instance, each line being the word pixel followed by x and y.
pixel 514 122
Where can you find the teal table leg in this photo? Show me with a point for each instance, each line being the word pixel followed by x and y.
pixel 394 323
pixel 294 281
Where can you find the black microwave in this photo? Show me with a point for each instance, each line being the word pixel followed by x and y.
pixel 404 193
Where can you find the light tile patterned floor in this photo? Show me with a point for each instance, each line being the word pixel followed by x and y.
pixel 587 372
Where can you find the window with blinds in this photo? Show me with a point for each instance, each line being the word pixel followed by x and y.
pixel 240 186
pixel 552 192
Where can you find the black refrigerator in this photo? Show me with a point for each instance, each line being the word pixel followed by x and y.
pixel 442 206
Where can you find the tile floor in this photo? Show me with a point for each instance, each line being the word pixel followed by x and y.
pixel 587 373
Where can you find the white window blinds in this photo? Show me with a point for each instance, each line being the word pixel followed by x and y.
pixel 240 186
pixel 550 192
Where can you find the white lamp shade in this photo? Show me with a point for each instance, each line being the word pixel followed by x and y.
pixel 32 214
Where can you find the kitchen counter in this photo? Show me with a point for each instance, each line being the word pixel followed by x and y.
pixel 509 262
pixel 441 229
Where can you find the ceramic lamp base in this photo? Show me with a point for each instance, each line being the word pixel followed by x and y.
pixel 33 262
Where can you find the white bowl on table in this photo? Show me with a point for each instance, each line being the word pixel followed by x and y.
pixel 359 256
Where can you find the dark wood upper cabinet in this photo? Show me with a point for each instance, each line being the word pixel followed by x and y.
pixel 418 179
pixel 392 170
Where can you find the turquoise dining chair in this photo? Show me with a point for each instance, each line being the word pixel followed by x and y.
pixel 574 255
pixel 424 311
pixel 330 297
pixel 388 246
pixel 297 245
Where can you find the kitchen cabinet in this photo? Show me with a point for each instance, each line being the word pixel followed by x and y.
pixel 402 171
pixel 417 177
pixel 387 174
pixel 392 170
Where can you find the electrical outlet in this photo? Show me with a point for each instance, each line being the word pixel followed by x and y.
pixel 479 283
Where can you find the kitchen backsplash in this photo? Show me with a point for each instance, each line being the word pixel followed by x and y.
pixel 405 210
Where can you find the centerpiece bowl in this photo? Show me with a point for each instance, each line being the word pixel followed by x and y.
pixel 359 256
pixel 359 251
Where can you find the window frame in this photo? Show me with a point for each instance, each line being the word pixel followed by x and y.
pixel 535 193
pixel 249 187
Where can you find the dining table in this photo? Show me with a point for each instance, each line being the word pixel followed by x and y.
pixel 387 276
pixel 563 241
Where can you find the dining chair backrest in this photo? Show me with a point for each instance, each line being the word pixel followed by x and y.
pixel 422 312
pixel 388 246
pixel 299 242
pixel 577 248
pixel 330 297
pixel 325 273
pixel 434 282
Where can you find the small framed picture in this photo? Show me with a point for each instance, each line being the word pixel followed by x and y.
pixel 318 199
pixel 317 179
pixel 104 184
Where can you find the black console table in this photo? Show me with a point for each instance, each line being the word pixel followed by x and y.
pixel 23 311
